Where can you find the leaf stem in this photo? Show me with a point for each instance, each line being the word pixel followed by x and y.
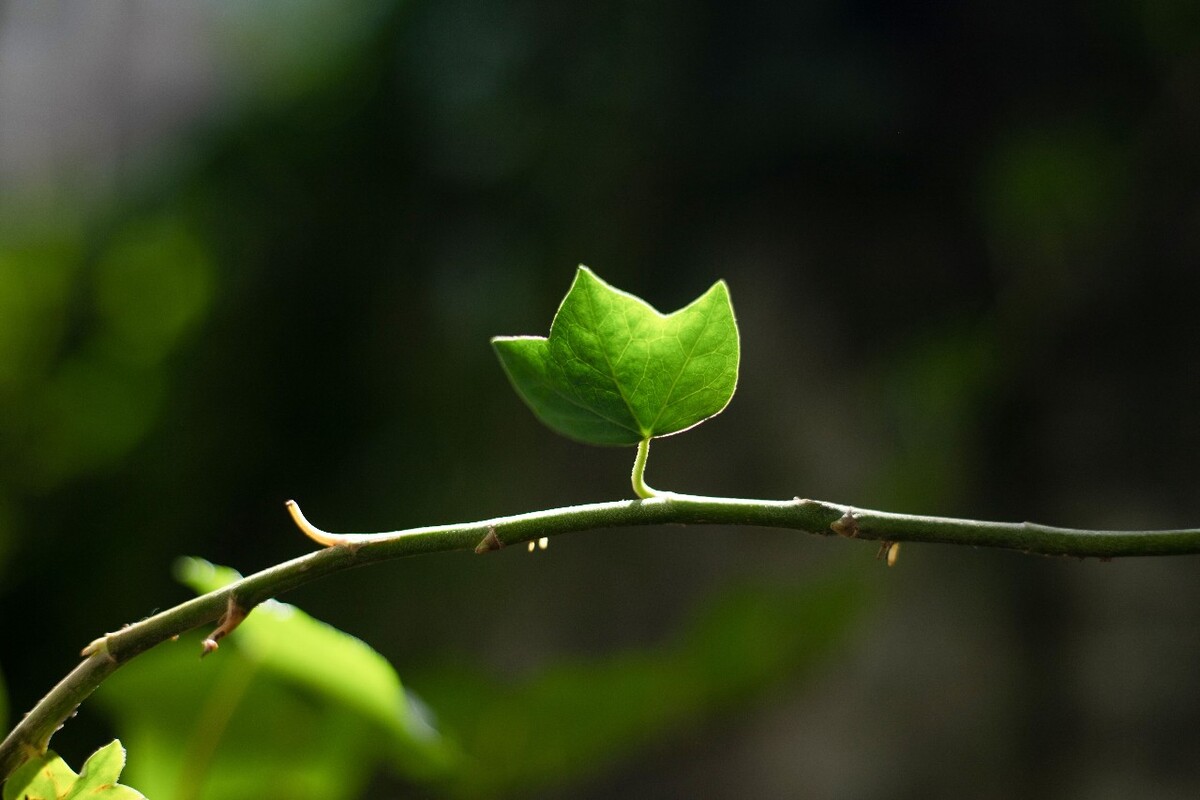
pixel 640 487
pixel 102 657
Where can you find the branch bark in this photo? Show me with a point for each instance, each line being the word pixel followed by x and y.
pixel 102 657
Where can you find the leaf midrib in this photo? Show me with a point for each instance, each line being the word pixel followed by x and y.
pixel 591 301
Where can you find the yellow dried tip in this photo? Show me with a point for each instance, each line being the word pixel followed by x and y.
pixel 319 536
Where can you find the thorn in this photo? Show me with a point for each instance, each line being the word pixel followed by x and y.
pixel 531 545
pixel 233 616
pixel 543 542
pixel 846 525
pixel 893 553
pixel 490 542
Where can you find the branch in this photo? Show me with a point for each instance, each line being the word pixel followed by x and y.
pixel 103 656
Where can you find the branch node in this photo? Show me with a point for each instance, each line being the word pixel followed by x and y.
pixel 97 647
pixel 490 542
pixel 846 525
pixel 233 616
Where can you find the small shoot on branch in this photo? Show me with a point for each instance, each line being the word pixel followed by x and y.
pixel 615 371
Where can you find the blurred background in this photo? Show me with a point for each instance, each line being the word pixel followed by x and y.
pixel 254 251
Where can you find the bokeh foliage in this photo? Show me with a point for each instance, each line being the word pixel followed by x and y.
pixel 963 247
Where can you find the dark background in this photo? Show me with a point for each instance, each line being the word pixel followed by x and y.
pixel 253 253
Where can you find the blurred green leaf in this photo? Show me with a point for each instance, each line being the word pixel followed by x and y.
pixel 34 290
pixel 153 284
pixel 289 708
pixel 281 639
pixel 49 778
pixel 222 729
pixel 93 413
pixel 936 387
pixel 573 720
pixel 615 371
pixel 1052 196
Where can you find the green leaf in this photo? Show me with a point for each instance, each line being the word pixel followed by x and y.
pixel 615 371
pixel 288 707
pixel 228 730
pixel 46 777
pixel 49 778
pixel 283 640
pixel 99 776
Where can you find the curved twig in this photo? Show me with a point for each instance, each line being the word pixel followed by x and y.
pixel 342 551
